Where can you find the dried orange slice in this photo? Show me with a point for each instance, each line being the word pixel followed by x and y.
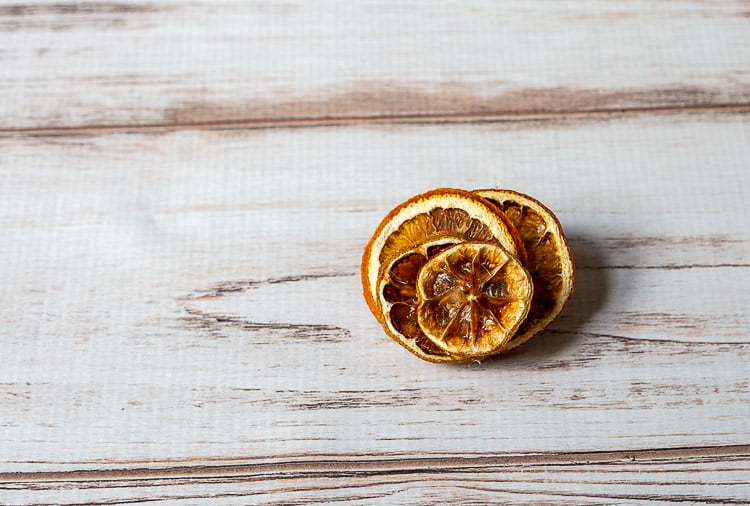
pixel 548 259
pixel 472 298
pixel 437 217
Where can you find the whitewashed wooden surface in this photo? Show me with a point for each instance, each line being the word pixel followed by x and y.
pixel 185 191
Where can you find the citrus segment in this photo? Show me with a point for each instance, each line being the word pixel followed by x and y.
pixel 471 298
pixel 548 259
pixel 439 220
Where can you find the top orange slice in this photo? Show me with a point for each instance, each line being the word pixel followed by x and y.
pixel 548 259
pixel 472 298
pixel 406 238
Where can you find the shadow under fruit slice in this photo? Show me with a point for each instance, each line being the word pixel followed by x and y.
pixel 548 259
pixel 472 298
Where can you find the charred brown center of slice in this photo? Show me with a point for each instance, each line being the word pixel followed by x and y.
pixel 472 297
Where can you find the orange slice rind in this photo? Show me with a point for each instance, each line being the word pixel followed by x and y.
pixel 471 298
pixel 548 259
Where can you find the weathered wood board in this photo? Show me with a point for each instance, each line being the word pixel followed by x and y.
pixel 658 476
pixel 194 295
pixel 169 62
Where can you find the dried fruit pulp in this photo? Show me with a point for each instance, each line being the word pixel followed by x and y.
pixel 472 297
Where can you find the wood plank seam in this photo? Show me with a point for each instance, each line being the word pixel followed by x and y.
pixel 328 466
pixel 419 119
pixel 597 335
pixel 667 267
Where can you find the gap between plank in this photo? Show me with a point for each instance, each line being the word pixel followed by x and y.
pixel 418 119
pixel 348 465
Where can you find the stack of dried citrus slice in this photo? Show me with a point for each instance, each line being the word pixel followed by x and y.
pixel 453 275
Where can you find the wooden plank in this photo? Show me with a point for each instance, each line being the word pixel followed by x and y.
pixel 703 475
pixel 186 63
pixel 173 297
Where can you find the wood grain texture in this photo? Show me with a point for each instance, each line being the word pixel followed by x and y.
pixel 719 475
pixel 173 298
pixel 115 64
